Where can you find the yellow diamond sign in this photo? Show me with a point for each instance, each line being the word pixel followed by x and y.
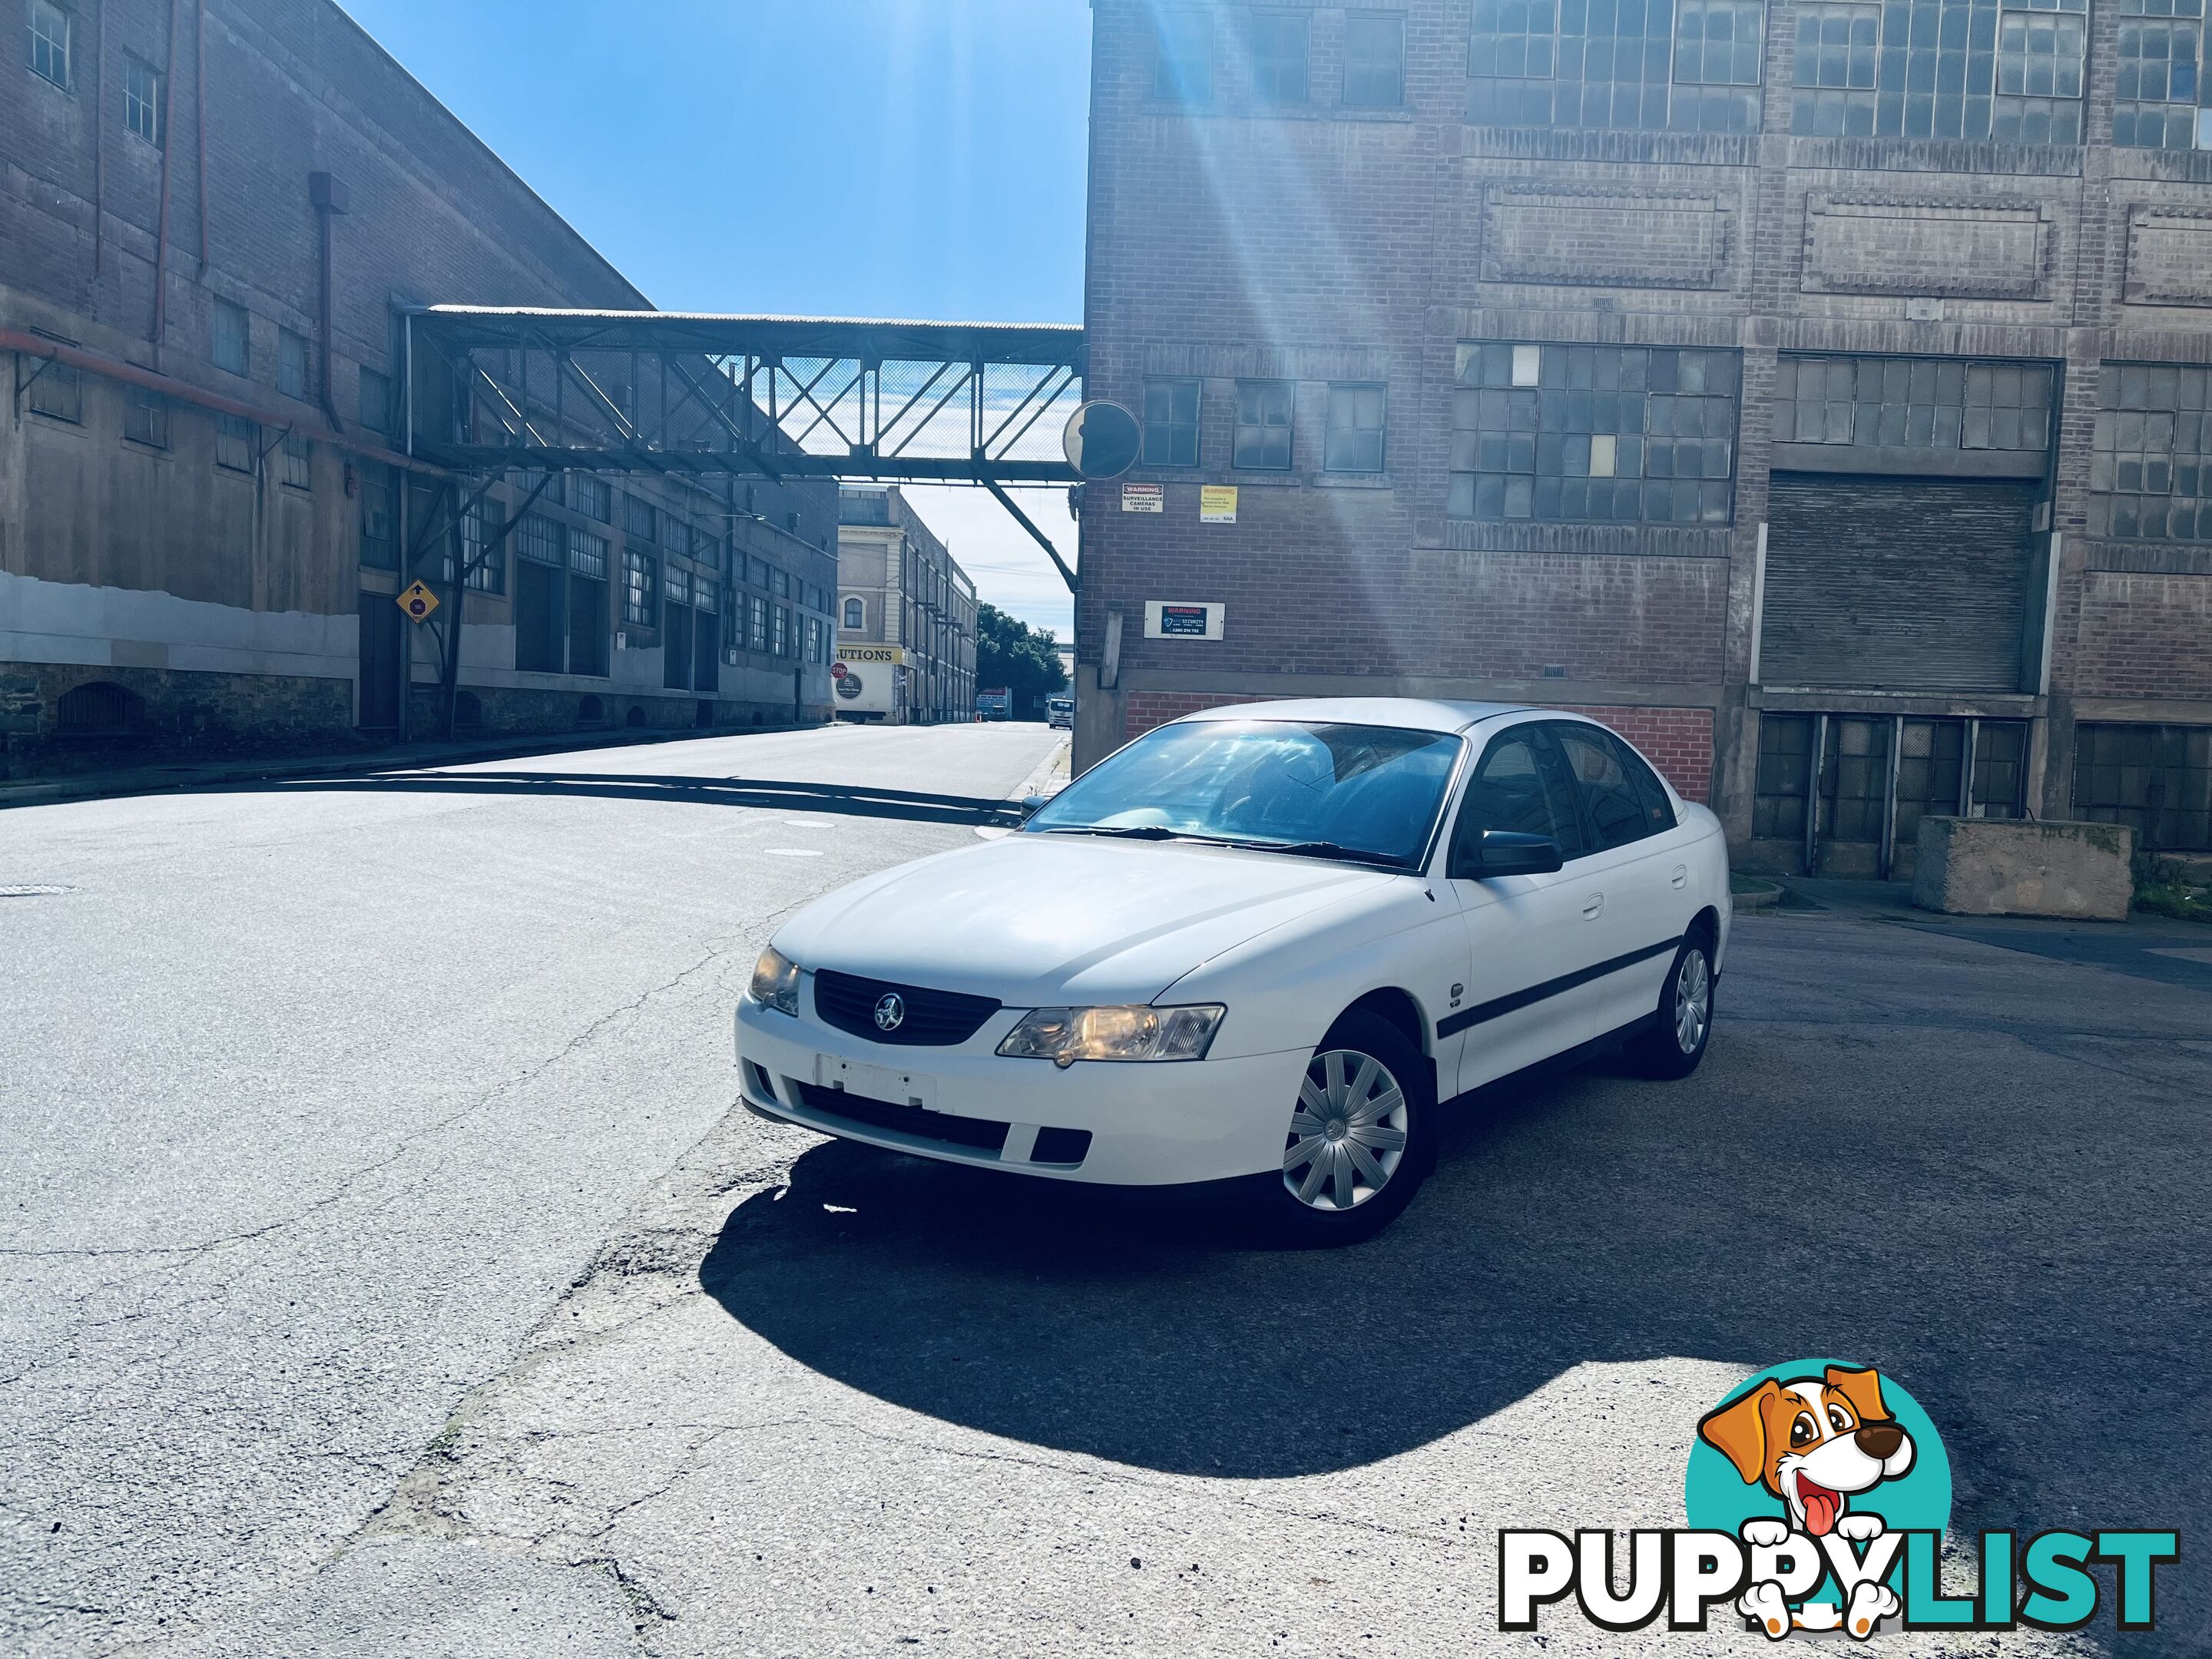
pixel 418 602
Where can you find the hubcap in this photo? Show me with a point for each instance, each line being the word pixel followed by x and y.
pixel 1693 1001
pixel 1348 1134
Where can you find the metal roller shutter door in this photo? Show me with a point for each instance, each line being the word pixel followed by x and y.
pixel 1911 584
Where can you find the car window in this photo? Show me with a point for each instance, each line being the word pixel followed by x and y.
pixel 1374 789
pixel 1616 812
pixel 1658 811
pixel 1519 787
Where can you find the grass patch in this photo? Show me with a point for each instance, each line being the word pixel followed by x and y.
pixel 2174 898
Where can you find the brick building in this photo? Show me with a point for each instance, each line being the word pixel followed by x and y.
pixel 905 604
pixel 1819 390
pixel 205 242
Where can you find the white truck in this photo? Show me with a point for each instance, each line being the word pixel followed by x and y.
pixel 870 682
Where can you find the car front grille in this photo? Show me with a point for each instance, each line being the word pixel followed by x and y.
pixel 977 1133
pixel 932 1019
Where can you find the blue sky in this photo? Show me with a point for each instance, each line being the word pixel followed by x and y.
pixel 883 158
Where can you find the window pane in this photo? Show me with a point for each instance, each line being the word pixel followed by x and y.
pixel 1353 442
pixel 1170 424
pixel 1184 73
pixel 1278 42
pixel 1552 452
pixel 1263 425
pixel 234 339
pixel 1374 61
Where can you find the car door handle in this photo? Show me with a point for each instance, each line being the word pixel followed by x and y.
pixel 1681 877
pixel 1592 905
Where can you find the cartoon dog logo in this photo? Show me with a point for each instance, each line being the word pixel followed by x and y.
pixel 1815 1443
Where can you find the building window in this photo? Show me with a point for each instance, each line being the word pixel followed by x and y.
pixel 291 364
pixel 234 339
pixel 146 417
pixel 588 554
pixel 591 497
pixel 781 643
pixel 638 585
pixel 237 441
pixel 2155 778
pixel 57 390
pixel 1277 41
pixel 1354 441
pixel 1607 434
pixel 1263 425
pixel 640 520
pixel 538 538
pixel 814 639
pixel 1374 60
pixel 2159 93
pixel 2150 471
pixel 1912 402
pixel 1172 422
pixel 50 42
pixel 1912 69
pixel 856 614
pixel 144 110
pixel 380 549
pixel 759 630
pixel 1634 64
pixel 376 410
pixel 299 462
pixel 483 564
pixel 1183 73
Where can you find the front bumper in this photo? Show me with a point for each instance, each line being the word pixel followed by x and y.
pixel 1149 1123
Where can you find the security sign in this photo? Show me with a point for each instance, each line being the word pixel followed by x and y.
pixel 418 602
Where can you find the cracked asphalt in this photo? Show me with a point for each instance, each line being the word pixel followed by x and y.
pixel 318 1340
pixel 318 1097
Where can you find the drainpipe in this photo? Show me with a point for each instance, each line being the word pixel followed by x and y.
pixel 331 198
pixel 161 234
pixel 199 125
pixel 100 144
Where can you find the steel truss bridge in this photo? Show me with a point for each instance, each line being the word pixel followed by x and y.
pixel 763 397
pixel 500 389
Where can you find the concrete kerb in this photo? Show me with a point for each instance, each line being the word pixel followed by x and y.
pixel 212 775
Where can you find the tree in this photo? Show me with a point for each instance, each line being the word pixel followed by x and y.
pixel 1012 653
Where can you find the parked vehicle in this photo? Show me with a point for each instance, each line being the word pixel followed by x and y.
pixel 1257 946
pixel 1060 714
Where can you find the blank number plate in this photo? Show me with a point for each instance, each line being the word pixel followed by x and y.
pixel 876 1082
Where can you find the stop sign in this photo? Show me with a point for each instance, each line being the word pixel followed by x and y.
pixel 838 671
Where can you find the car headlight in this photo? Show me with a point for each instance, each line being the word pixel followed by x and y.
pixel 775 982
pixel 1064 1036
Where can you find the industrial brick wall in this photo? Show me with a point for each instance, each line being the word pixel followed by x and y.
pixel 1320 243
pixel 1678 741
pixel 2144 636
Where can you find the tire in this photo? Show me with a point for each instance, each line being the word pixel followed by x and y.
pixel 1332 1155
pixel 1674 1041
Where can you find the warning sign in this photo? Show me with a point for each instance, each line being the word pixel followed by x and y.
pixel 1144 498
pixel 1217 503
pixel 418 602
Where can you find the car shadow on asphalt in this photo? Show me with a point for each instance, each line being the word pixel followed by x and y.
pixel 1575 1218
pixel 841 800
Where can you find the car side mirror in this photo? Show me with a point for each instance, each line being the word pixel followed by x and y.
pixel 1031 804
pixel 1507 853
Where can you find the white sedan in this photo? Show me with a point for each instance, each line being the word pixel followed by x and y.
pixel 1257 944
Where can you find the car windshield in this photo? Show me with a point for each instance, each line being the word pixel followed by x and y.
pixel 1365 791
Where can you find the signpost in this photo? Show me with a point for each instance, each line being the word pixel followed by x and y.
pixel 418 602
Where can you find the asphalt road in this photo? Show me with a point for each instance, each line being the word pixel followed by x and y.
pixel 318 1097
pixel 389 1275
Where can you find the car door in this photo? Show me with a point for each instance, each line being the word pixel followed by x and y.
pixel 1521 999
pixel 1636 875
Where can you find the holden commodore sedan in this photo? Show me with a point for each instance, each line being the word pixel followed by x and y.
pixel 1257 946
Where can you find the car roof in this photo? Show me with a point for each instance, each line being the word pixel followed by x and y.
pixel 1409 714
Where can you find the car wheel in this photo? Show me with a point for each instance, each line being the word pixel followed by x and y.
pixel 1675 1042
pixel 1361 1136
